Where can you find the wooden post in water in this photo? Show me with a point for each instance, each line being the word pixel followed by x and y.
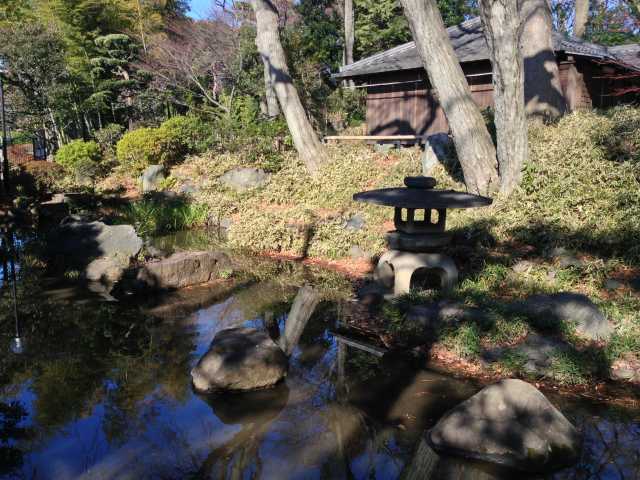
pixel 303 307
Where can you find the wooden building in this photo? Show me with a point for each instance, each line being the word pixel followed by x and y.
pixel 400 100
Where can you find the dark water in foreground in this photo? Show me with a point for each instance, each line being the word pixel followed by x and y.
pixel 103 392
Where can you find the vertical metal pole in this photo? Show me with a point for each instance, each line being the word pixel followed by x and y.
pixel 12 264
pixel 4 254
pixel 5 157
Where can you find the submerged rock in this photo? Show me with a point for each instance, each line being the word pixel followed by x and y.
pixel 182 269
pixel 242 179
pixel 240 359
pixel 567 307
pixel 509 423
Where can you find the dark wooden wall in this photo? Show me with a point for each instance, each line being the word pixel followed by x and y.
pixel 403 102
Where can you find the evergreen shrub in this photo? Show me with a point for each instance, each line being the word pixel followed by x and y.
pixel 140 148
pixel 79 158
pixel 188 132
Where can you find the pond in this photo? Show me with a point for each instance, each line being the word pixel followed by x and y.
pixel 102 390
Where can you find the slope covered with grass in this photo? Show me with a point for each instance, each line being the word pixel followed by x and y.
pixel 580 198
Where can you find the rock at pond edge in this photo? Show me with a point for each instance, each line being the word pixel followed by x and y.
pixel 509 423
pixel 81 241
pixel 182 269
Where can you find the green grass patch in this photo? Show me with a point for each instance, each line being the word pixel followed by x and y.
pixel 507 330
pixel 464 340
pixel 512 363
pixel 156 215
pixel 569 368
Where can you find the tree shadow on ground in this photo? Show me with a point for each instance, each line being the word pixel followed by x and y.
pixel 491 281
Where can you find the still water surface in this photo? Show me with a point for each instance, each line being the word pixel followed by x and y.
pixel 103 391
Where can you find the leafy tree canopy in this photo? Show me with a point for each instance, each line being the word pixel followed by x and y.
pixel 381 24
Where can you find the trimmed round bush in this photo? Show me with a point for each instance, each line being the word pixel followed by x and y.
pixel 189 132
pixel 79 157
pixel 140 148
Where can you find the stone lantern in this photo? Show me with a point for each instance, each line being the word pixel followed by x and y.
pixel 420 217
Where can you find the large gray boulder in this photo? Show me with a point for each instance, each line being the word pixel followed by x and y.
pixel 151 178
pixel 240 359
pixel 509 423
pixel 183 269
pixel 243 179
pixel 567 307
pixel 80 242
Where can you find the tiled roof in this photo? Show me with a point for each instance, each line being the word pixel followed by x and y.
pixel 469 44
pixel 628 54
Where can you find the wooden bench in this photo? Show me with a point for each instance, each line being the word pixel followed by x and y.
pixel 396 139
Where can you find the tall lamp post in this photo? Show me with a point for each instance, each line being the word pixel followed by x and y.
pixel 4 173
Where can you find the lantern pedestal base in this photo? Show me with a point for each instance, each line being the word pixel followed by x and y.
pixel 396 268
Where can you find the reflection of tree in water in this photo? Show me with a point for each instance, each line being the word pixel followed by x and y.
pixel 611 448
pixel 158 368
pixel 83 353
pixel 254 412
pixel 11 414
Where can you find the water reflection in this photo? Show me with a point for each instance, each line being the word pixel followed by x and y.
pixel 103 391
pixel 9 258
pixel 254 412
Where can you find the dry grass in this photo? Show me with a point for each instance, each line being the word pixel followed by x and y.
pixel 580 191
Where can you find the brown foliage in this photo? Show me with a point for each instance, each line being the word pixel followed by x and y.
pixel 194 56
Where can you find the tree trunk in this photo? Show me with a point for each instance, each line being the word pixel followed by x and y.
pixel 141 27
pixel 128 100
pixel 502 31
pixel 473 143
pixel 543 93
pixel 580 18
pixel 271 99
pixel 349 36
pixel 56 129
pixel 349 32
pixel 311 151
